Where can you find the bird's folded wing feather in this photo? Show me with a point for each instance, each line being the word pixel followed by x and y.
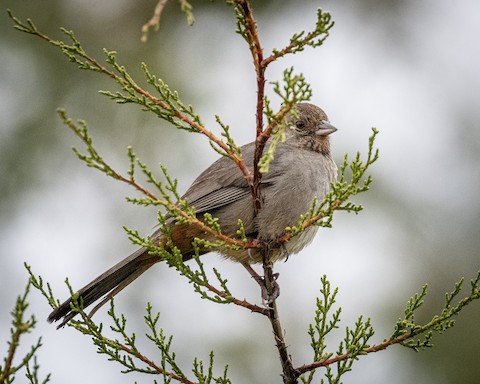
pixel 218 198
pixel 223 182
pixel 220 184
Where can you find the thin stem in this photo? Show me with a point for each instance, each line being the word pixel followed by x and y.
pixel 152 364
pixel 241 303
pixel 307 223
pixel 269 283
pixel 253 273
pixel 155 19
pixel 392 341
pixel 290 375
pixel 256 50
pixel 374 348
pixel 14 343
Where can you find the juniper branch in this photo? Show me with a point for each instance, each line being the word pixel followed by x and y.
pixel 20 327
pixel 295 89
pixel 198 278
pixel 125 350
pixel 289 373
pixel 405 330
pixel 300 40
pixel 167 106
pixel 154 21
pixel 180 210
pixel 322 325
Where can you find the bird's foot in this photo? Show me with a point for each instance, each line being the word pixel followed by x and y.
pixel 270 295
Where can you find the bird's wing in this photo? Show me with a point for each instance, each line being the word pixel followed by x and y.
pixel 220 184
pixel 218 198
pixel 223 183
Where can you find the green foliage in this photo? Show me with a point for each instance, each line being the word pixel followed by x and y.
pixel 314 39
pixel 21 326
pixel 196 274
pixel 295 88
pixel 439 323
pixel 94 160
pixel 353 345
pixel 323 325
pixel 268 156
pixel 123 348
pixel 167 104
pixel 298 41
pixel 355 342
pixel 338 199
pixel 154 22
pixel 234 148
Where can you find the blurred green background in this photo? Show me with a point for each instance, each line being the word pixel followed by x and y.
pixel 408 68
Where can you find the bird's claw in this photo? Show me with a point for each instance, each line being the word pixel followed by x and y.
pixel 269 297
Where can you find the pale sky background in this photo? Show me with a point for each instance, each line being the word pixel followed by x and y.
pixel 411 69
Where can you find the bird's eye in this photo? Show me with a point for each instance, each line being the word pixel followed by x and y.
pixel 300 124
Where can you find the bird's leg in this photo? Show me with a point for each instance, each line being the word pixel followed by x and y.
pixel 270 278
pixel 274 291
pixel 275 288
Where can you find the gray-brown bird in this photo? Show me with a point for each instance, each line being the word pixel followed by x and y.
pixel 301 170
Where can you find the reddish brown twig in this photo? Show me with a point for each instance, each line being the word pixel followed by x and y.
pixel 154 21
pixel 152 364
pixel 374 348
pixel 290 375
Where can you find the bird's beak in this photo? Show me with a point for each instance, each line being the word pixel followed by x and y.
pixel 325 128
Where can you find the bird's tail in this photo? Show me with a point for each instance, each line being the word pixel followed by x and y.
pixel 108 284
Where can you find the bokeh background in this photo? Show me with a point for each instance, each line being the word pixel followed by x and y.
pixel 409 68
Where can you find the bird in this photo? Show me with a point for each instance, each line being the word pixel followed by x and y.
pixel 302 170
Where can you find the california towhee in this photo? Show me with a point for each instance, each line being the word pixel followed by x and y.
pixel 301 170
